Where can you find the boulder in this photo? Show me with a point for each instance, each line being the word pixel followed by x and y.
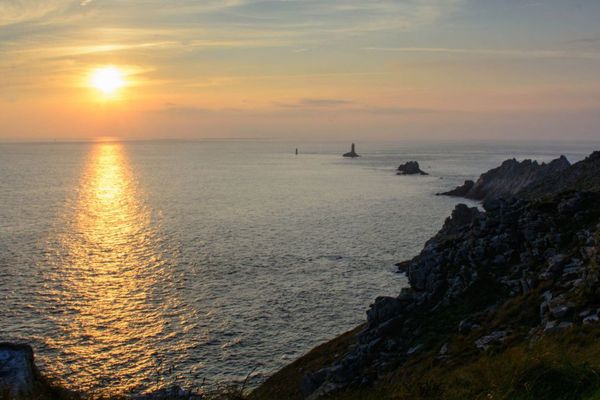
pixel 18 374
pixel 486 342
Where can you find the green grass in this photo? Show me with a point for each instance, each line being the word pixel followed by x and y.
pixel 563 366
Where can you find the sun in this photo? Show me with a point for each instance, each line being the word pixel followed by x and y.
pixel 108 80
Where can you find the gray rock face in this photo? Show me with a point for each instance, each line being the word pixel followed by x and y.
pixel 486 342
pixel 583 175
pixel 410 168
pixel 18 375
pixel 477 262
pixel 509 179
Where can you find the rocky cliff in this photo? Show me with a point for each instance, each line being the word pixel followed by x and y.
pixel 465 278
pixel 523 268
pixel 509 179
pixel 583 175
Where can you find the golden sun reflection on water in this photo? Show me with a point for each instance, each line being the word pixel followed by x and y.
pixel 109 260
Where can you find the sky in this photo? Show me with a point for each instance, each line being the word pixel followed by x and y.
pixel 309 69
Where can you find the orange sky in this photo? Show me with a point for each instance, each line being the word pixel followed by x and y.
pixel 301 69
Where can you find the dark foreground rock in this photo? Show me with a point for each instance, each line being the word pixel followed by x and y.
pixel 410 168
pixel 351 153
pixel 509 179
pixel 18 375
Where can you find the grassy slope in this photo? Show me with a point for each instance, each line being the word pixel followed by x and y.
pixel 285 384
pixel 559 366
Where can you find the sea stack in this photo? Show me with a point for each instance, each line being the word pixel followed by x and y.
pixel 352 153
pixel 410 168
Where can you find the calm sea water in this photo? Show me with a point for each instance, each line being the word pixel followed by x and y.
pixel 131 266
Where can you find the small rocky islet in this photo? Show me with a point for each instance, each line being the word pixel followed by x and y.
pixel 410 168
pixel 503 302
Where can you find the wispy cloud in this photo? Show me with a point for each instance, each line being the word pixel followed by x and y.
pixel 531 54
pixel 314 102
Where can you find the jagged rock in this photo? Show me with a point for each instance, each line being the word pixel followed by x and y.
pixel 467 271
pixel 351 153
pixel 413 350
pixel 324 390
pixel 403 266
pixel 509 179
pixel 557 262
pixel 467 326
pixel 18 374
pixel 486 342
pixel 559 311
pixel 462 190
pixel 581 176
pixel 410 168
pixel 384 309
pixel 443 350
pixel 171 393
pixel 554 326
pixel 311 382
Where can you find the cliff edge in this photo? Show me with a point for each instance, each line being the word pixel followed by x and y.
pixel 509 179
pixel 503 303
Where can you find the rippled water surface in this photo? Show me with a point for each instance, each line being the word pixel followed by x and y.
pixel 130 266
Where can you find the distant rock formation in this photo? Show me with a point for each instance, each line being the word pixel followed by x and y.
pixel 583 175
pixel 410 168
pixel 351 153
pixel 509 179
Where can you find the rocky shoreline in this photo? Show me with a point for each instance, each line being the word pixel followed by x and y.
pixel 477 263
pixel 523 268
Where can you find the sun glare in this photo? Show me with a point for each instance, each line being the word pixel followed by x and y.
pixel 107 80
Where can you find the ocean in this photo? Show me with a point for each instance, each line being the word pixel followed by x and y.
pixel 131 266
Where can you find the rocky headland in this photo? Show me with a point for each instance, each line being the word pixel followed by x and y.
pixel 410 168
pixel 503 302
pixel 509 179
